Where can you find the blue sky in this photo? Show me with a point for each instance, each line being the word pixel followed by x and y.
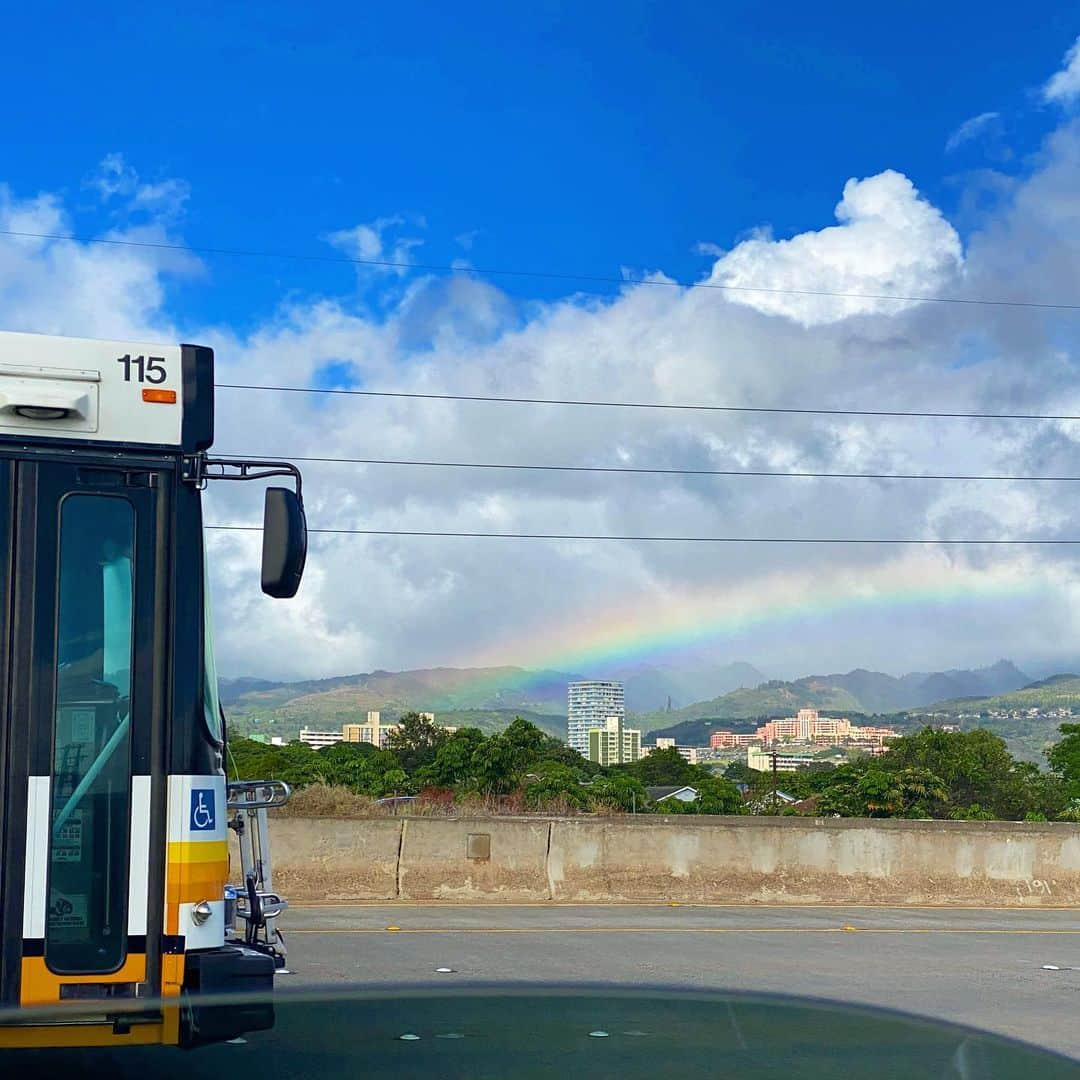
pixel 915 150
pixel 562 136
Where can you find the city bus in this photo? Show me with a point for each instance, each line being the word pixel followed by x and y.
pixel 114 857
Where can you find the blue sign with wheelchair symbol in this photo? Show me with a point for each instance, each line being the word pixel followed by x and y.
pixel 202 809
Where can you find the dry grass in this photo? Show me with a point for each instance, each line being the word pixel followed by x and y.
pixel 322 800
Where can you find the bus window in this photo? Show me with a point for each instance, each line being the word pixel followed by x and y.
pixel 88 855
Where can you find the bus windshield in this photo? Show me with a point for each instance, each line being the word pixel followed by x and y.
pixel 85 929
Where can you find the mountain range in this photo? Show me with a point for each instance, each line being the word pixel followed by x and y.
pixel 492 696
pixel 858 691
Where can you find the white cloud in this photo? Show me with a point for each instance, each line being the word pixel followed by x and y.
pixel 113 177
pixel 1063 86
pixel 63 287
pixel 369 243
pixel 970 129
pixel 115 181
pixel 889 241
pixel 394 602
pixel 468 238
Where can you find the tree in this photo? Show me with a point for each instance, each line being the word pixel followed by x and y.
pixel 556 750
pixel 741 772
pixel 415 741
pixel 352 765
pixel 500 764
pixel 453 765
pixel 663 767
pixel 296 763
pixel 876 792
pixel 855 792
pixel 617 791
pixel 717 795
pixel 395 782
pixel 557 784
pixel 1064 758
pixel 976 769
pixel 920 792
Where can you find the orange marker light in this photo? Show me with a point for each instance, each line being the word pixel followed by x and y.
pixel 162 397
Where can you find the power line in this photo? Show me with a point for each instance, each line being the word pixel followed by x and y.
pixel 913 414
pixel 666 539
pixel 442 268
pixel 634 470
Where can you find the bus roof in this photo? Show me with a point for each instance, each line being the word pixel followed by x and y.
pixel 117 392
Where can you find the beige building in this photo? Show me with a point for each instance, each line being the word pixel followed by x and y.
pixel 371 730
pixel 690 753
pixel 761 760
pixel 613 744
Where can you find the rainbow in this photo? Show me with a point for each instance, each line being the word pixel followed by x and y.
pixel 660 623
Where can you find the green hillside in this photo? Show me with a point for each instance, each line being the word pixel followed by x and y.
pixel 774 698
pixel 1006 714
pixel 697 732
pixel 287 726
pixel 1057 692
pixel 332 702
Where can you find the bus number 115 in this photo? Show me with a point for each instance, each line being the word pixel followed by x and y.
pixel 147 368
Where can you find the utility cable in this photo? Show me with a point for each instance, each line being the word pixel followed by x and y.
pixel 649 471
pixel 920 414
pixel 443 268
pixel 1032 541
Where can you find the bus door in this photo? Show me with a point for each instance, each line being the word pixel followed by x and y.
pixel 83 667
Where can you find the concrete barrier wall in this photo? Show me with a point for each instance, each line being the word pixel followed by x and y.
pixel 332 859
pixel 791 860
pixel 687 859
pixel 445 859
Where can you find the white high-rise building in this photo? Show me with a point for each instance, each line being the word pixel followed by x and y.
pixel 588 705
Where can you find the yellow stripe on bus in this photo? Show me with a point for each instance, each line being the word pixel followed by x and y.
pixel 197 870
pixel 201 881
pixel 40 986
pixel 74 1035
pixel 197 851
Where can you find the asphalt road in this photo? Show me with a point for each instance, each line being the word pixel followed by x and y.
pixel 982 967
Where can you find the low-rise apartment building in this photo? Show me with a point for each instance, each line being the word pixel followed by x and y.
pixel 320 740
pixel 762 760
pixel 613 744
pixel 727 740
pixel 690 753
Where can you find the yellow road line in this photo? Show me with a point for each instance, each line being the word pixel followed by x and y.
pixel 563 905
pixel 671 930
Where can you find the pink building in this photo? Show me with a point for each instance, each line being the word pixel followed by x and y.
pixel 725 740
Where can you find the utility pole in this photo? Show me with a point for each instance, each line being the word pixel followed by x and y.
pixel 775 796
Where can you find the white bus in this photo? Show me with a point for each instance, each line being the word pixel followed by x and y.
pixel 113 801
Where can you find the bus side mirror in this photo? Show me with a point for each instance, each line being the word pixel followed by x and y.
pixel 284 543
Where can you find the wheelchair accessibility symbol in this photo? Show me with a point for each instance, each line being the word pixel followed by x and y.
pixel 202 809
